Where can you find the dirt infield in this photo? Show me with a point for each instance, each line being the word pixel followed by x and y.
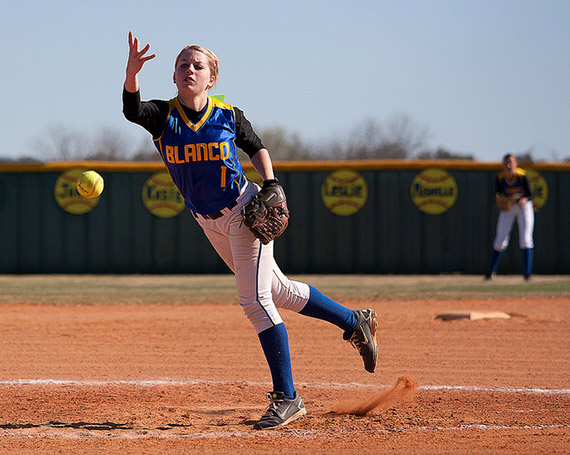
pixel 191 378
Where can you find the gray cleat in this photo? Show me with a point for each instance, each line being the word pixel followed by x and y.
pixel 280 411
pixel 363 338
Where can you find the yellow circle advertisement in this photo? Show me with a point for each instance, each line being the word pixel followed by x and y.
pixel 434 191
pixel 539 188
pixel 344 192
pixel 161 197
pixel 67 197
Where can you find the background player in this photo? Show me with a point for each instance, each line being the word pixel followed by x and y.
pixel 512 182
pixel 196 136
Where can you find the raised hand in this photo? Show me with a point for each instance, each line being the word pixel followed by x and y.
pixel 137 59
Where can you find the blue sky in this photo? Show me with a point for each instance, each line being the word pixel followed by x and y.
pixel 482 77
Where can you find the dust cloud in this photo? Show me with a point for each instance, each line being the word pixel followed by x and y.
pixel 404 390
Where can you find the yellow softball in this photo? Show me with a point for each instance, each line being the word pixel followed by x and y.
pixel 90 184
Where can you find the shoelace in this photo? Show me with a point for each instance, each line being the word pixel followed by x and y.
pixel 356 343
pixel 272 408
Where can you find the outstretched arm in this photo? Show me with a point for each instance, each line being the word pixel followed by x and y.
pixel 137 59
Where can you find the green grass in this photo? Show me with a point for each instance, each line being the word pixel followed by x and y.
pixel 192 289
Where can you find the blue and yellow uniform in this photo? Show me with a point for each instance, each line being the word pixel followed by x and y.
pixel 516 186
pixel 199 149
pixel 201 157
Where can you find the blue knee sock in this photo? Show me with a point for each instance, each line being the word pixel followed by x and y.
pixel 527 260
pixel 322 307
pixel 275 344
pixel 495 260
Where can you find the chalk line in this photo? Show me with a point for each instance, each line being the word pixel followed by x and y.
pixel 320 385
pixel 49 433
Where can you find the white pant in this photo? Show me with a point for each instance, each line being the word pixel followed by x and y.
pixel 525 221
pixel 261 286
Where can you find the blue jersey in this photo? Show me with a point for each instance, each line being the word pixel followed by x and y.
pixel 515 185
pixel 201 157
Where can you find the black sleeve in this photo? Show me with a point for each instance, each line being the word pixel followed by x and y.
pixel 151 115
pixel 246 138
pixel 527 188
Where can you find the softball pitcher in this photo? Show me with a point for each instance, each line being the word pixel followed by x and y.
pixel 196 137
pixel 514 199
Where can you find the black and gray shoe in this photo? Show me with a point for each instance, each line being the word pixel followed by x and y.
pixel 280 411
pixel 363 338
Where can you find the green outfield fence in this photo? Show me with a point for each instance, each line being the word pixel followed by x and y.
pixel 377 217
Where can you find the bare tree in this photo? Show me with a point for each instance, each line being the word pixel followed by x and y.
pixel 63 144
pixel 146 151
pixel 443 154
pixel 364 140
pixel 283 145
pixel 110 144
pixel 20 160
pixel 405 133
pixel 398 138
pixel 60 144
pixel 525 156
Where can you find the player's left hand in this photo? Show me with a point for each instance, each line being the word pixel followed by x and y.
pixel 267 215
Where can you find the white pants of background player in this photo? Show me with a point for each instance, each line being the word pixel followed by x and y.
pixel 525 220
pixel 261 286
